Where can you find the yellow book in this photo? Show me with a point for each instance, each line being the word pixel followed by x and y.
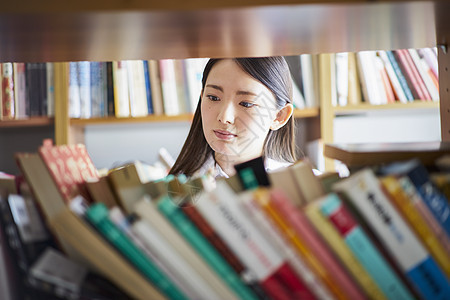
pixel 337 244
pixel 299 245
pixel 416 222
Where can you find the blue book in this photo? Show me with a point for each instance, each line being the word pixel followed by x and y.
pixel 364 192
pixel 363 248
pixel 148 87
pixel 400 76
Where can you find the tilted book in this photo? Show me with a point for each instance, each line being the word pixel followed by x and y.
pixel 365 194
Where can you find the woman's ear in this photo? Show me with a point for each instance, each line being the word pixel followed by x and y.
pixel 282 117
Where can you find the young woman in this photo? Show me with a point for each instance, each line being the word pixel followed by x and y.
pixel 244 111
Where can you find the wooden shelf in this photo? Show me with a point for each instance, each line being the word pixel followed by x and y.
pixel 147 119
pixel 31 122
pixel 351 109
pixel 306 113
pixel 57 31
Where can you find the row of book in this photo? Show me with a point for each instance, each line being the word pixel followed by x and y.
pixel 27 90
pixel 288 234
pixel 381 77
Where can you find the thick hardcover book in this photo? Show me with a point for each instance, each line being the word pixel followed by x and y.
pixel 407 209
pixel 174 214
pixel 418 174
pixel 365 194
pixel 149 213
pixel 97 214
pixel 70 167
pixel 362 247
pixel 336 242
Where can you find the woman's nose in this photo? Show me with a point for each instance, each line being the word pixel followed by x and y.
pixel 226 114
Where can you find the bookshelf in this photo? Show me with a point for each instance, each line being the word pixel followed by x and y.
pixel 106 31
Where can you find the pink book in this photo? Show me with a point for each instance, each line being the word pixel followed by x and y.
pixel 423 89
pixel 301 225
pixel 409 76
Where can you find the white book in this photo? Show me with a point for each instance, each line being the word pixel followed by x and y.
pixel 309 81
pixel 393 77
pixel 212 284
pixel 136 88
pixel 84 77
pixel 194 73
pixel 74 91
pixel 146 245
pixel 432 89
pixel 169 87
pixel 121 90
pixel 368 77
pixel 222 210
pixel 342 78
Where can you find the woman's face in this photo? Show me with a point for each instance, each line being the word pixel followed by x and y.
pixel 237 112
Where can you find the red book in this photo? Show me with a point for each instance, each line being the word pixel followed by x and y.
pixel 410 75
pixel 70 167
pixel 7 98
pixel 299 222
pixel 416 74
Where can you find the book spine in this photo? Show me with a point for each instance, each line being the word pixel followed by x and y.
pixel 110 111
pixel 303 228
pixel 409 75
pixel 400 75
pixel 363 249
pixel 244 242
pixel 429 86
pixel 300 267
pixel 416 74
pixel 195 238
pixel 354 86
pixel 408 210
pixel 50 89
pixel 121 90
pixel 155 80
pixel 148 87
pixel 398 90
pixel 42 79
pixel 74 91
pixel 364 192
pixel 425 212
pixel 84 76
pixel 97 214
pixel 7 97
pixel 20 90
pixel 435 201
pixel 337 243
pixel 169 88
pixel 96 89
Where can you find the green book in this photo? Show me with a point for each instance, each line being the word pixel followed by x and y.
pixel 196 239
pixel 97 214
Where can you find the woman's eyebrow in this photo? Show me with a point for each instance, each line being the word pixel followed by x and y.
pixel 247 93
pixel 217 87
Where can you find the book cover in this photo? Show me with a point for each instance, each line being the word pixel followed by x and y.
pixel 298 222
pixel 407 209
pixel 308 184
pixel 121 89
pixel 147 211
pixel 245 240
pixel 365 194
pixel 168 208
pixel 8 90
pixel 99 254
pixel 419 176
pixel 100 190
pixel 362 247
pixel 70 167
pixel 336 243
pixel 97 214
pixel 400 75
pixel 299 266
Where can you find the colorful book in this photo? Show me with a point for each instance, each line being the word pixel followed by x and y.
pixel 148 87
pixel 155 79
pixel 203 247
pixel 365 194
pixel 336 243
pixel 362 247
pixel 7 97
pixel 400 76
pixel 407 209
pixel 393 78
pixel 432 89
pixel 97 214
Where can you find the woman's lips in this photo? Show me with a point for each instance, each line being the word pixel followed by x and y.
pixel 224 135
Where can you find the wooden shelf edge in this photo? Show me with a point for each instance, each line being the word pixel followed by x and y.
pixel 29 122
pixel 147 119
pixel 418 104
pixel 310 112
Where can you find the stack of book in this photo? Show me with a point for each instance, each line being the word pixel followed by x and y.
pixel 284 235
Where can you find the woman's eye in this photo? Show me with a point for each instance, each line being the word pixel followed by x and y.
pixel 247 104
pixel 213 98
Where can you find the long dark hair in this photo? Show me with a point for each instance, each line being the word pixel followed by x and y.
pixel 279 144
